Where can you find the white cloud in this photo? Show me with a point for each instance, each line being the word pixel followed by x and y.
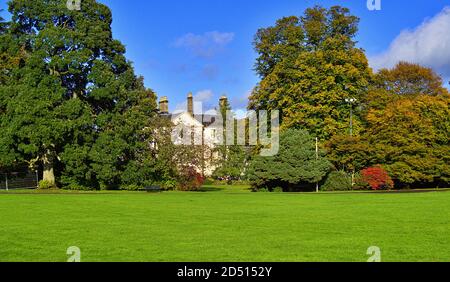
pixel 242 100
pixel 205 45
pixel 203 96
pixel 221 38
pixel 428 45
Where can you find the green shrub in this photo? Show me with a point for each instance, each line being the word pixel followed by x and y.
pixel 360 183
pixel 337 181
pixel 169 185
pixel 295 166
pixel 225 182
pixel 268 190
pixel 264 190
pixel 209 181
pixel 277 190
pixel 76 187
pixel 131 187
pixel 46 185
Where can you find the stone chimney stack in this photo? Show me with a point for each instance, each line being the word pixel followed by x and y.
pixel 223 101
pixel 190 104
pixel 164 105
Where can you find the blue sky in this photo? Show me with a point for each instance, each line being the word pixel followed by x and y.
pixel 204 46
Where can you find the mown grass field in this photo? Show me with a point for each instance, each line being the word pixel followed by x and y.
pixel 225 223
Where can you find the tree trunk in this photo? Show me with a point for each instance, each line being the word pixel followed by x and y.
pixel 49 174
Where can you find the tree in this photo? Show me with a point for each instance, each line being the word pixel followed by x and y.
pixel 308 67
pixel 410 79
pixel 410 138
pixel 10 59
pixel 295 167
pixel 407 125
pixel 274 44
pixel 10 55
pixel 232 159
pixel 224 110
pixel 2 23
pixel 349 153
pixel 405 118
pixel 75 106
pixel 235 164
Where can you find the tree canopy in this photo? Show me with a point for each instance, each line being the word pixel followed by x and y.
pixel 410 79
pixel 410 137
pixel 308 67
pixel 2 23
pixel 406 125
pixel 74 105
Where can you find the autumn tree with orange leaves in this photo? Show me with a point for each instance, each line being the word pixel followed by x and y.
pixel 407 125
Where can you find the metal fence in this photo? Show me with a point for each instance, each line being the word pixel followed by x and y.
pixel 19 180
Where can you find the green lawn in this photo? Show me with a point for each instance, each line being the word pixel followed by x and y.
pixel 224 224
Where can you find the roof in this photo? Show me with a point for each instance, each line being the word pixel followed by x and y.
pixel 205 119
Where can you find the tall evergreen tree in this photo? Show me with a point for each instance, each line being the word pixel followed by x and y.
pixel 2 23
pixel 6 55
pixel 75 107
pixel 232 157
pixel 224 110
pixel 11 57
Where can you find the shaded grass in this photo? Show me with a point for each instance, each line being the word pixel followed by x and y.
pixel 224 223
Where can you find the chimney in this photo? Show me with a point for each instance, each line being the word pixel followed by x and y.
pixel 164 105
pixel 190 104
pixel 223 101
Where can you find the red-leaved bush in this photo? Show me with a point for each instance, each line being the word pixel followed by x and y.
pixel 377 178
pixel 190 179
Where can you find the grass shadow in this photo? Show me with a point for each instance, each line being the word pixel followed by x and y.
pixel 212 189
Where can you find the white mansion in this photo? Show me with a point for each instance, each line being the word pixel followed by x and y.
pixel 205 129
